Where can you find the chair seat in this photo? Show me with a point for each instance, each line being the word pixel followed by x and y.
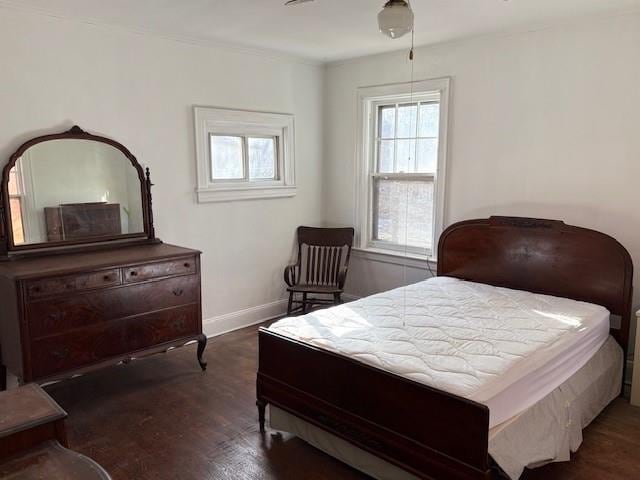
pixel 320 289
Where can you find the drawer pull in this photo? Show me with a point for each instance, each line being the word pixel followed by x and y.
pixel 56 317
pixel 133 273
pixel 178 324
pixel 187 265
pixel 178 292
pixel 36 289
pixel 60 354
pixel 107 278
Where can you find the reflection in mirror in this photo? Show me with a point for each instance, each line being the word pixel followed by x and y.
pixel 73 189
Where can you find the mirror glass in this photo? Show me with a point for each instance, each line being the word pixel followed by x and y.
pixel 73 190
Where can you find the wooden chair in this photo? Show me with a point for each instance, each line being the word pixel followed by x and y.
pixel 321 268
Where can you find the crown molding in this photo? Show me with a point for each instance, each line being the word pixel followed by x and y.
pixel 237 48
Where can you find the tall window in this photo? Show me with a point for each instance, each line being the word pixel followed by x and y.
pixel 402 168
pixel 16 204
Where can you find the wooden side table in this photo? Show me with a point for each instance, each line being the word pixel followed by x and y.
pixel 33 440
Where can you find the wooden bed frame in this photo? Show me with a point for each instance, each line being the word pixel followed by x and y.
pixel 425 431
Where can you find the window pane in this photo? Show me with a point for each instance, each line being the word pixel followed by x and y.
pixel 429 120
pixel 226 158
pixel 385 156
pixel 406 157
pixel 427 155
pixel 404 212
pixel 262 158
pixel 407 121
pixel 16 220
pixel 13 182
pixel 387 122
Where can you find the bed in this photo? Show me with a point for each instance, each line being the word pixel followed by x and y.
pixel 452 377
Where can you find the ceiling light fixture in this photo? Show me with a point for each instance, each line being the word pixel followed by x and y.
pixel 396 18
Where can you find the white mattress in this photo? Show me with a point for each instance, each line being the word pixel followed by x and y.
pixel 504 348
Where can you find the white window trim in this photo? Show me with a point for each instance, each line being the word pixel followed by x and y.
pixel 409 259
pixel 209 120
pixel 368 99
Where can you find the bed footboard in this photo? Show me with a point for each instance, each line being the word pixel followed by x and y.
pixel 425 431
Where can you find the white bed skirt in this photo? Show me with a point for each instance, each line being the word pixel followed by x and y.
pixel 547 432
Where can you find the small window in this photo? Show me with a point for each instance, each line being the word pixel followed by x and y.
pixel 244 155
pixel 236 157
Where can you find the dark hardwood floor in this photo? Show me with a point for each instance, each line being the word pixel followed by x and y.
pixel 161 418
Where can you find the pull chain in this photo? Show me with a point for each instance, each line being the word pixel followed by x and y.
pixel 406 213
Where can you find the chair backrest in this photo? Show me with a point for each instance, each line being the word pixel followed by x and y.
pixel 323 253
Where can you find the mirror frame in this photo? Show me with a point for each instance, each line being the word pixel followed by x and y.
pixel 7 245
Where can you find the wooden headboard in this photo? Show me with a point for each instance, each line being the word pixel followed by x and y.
pixel 542 256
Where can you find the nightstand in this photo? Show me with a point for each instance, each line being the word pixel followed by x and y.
pixel 33 439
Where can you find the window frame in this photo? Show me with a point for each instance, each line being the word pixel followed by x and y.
pixel 370 99
pixel 245 124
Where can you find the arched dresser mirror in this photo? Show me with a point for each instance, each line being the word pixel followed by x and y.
pixel 74 188
pixel 84 280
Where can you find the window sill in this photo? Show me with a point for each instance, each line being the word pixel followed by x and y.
pixel 396 258
pixel 244 192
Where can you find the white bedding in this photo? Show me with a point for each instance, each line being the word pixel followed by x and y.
pixel 504 348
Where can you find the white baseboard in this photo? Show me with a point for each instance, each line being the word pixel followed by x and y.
pixel 229 322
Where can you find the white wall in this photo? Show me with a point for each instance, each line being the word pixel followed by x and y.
pixel 140 90
pixel 543 124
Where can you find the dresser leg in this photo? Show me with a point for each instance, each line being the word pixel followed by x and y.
pixel 3 378
pixel 262 410
pixel 202 344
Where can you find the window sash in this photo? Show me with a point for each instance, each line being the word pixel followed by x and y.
pixel 379 138
pixel 245 159
pixel 18 222
pixel 381 106
pixel 373 221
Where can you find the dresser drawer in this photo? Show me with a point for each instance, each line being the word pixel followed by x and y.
pixel 163 327
pixel 96 343
pixel 59 315
pixel 58 353
pixel 162 269
pixel 72 283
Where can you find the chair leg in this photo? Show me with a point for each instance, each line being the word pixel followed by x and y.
pixel 290 304
pixel 304 303
pixel 337 298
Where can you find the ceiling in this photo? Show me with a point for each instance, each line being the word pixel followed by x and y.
pixel 324 30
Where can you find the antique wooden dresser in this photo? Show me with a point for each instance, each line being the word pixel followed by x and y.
pixel 71 306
